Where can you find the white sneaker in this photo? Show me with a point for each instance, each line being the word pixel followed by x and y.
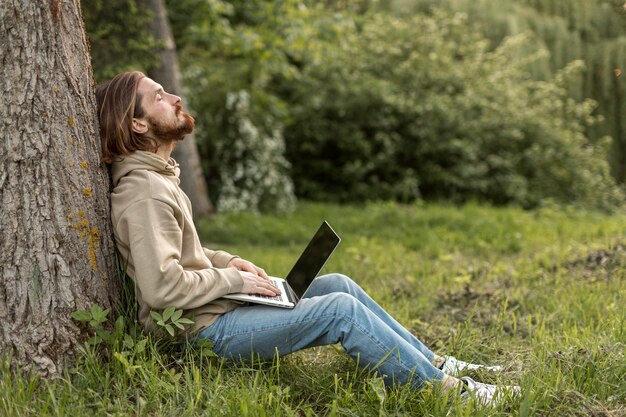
pixel 452 366
pixel 487 394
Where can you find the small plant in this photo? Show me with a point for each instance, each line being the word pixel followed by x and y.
pixel 137 345
pixel 95 318
pixel 171 317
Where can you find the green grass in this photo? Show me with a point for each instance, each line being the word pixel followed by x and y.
pixel 541 292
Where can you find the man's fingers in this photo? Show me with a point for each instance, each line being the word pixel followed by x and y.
pixel 247 266
pixel 261 272
pixel 254 284
pixel 276 289
pixel 271 287
pixel 250 267
pixel 267 289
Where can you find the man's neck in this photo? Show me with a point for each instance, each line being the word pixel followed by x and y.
pixel 165 151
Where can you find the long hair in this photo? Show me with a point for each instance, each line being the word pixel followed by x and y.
pixel 118 103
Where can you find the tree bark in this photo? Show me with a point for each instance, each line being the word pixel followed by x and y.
pixel 167 73
pixel 618 131
pixel 56 247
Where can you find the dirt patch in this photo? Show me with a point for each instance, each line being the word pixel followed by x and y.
pixel 483 308
pixel 483 305
pixel 600 264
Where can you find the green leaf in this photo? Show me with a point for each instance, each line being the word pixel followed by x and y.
pixel 81 315
pixel 141 345
pixel 104 335
pixel 98 315
pixel 104 314
pixel 169 329
pixel 128 341
pixel 185 321
pixel 168 313
pixel 175 375
pixel 209 353
pixel 204 343
pixel 96 340
pixel 119 325
pixel 177 315
pixel 96 310
pixel 155 316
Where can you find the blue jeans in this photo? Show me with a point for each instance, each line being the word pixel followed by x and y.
pixel 333 309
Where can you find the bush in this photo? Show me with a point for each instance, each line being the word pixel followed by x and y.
pixel 242 148
pixel 371 106
pixel 252 168
pixel 419 106
pixel 229 63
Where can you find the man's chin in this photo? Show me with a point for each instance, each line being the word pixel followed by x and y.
pixel 189 124
pixel 186 132
pixel 176 132
pixel 182 138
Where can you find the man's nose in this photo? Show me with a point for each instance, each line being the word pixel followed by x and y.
pixel 174 99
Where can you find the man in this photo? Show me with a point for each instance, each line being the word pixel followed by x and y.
pixel 140 124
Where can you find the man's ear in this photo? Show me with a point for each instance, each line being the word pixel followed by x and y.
pixel 140 126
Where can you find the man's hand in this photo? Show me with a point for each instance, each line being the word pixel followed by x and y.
pixel 255 280
pixel 243 265
pixel 254 284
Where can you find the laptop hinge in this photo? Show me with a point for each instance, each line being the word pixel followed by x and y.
pixel 293 298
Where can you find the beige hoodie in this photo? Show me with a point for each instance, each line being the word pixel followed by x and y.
pixel 155 235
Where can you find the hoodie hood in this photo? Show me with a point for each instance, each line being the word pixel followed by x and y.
pixel 142 160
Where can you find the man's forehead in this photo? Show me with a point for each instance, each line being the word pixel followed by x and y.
pixel 147 85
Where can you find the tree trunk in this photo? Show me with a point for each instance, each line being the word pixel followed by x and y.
pixel 56 247
pixel 168 75
pixel 618 131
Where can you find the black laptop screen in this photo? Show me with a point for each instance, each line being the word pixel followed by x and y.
pixel 313 259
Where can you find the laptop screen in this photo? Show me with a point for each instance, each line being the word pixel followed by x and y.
pixel 313 259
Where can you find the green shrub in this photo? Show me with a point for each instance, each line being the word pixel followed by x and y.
pixel 372 107
pixel 251 168
pixel 420 106
pixel 119 36
pixel 240 123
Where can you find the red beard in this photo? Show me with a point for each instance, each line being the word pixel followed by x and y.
pixel 175 131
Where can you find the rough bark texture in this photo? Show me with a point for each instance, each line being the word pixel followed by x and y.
pixel 56 247
pixel 619 133
pixel 168 75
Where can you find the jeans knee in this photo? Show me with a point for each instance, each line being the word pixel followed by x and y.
pixel 331 283
pixel 335 282
pixel 342 305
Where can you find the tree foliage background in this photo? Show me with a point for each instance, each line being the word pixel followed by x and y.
pixel 510 102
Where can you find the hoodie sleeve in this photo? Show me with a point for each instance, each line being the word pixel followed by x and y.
pixel 219 258
pixel 155 239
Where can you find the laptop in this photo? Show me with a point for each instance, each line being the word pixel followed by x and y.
pixel 309 264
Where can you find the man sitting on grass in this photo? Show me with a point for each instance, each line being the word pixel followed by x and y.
pixel 140 124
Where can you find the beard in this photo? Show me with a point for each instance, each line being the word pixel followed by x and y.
pixel 173 131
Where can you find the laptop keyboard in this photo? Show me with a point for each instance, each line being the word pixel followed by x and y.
pixel 269 297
